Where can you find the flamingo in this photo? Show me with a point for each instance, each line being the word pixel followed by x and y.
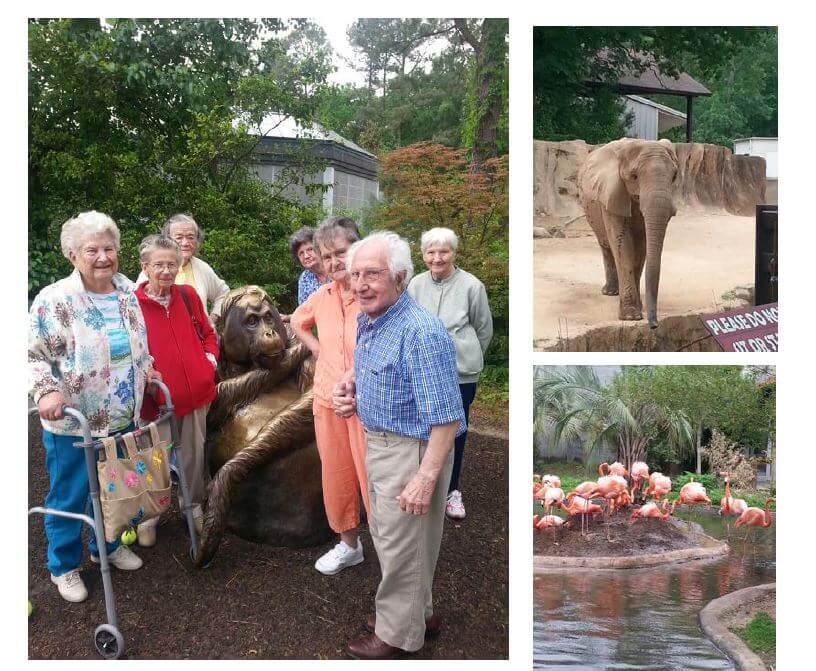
pixel 728 504
pixel 554 496
pixel 551 480
pixel 616 468
pixel 640 472
pixel 755 517
pixel 610 487
pixel 651 510
pixel 577 505
pixel 549 521
pixel 585 489
pixel 692 494
pixel 659 486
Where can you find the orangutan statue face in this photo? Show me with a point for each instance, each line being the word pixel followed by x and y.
pixel 252 331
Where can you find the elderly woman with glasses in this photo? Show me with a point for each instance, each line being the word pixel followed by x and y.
pixel 459 299
pixel 87 348
pixel 340 441
pixel 302 247
pixel 194 272
pixel 185 350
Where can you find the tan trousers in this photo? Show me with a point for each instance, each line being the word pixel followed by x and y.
pixel 192 432
pixel 407 545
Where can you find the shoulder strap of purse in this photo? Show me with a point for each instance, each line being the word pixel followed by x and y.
pixel 196 325
pixel 186 300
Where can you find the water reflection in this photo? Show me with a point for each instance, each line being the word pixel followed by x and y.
pixel 644 618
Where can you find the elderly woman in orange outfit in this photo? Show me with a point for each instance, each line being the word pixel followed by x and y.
pixel 340 441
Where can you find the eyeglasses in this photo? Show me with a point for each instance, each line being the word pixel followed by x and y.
pixel 164 266
pixel 369 275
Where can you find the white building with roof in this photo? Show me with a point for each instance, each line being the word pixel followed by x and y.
pixel 649 118
pixel 341 174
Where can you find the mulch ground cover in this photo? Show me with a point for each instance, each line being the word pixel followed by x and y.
pixel 627 537
pixel 257 601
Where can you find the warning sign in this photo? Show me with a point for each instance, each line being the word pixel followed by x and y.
pixel 751 329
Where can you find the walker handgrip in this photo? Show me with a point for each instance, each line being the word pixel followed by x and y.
pixel 168 402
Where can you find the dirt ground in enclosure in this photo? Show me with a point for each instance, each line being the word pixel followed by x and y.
pixel 706 256
pixel 627 537
pixel 260 602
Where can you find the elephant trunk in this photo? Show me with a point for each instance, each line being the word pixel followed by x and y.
pixel 657 209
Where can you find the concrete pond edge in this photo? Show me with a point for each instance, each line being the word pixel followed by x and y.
pixel 732 645
pixel 714 548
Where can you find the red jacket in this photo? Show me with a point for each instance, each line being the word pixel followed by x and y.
pixel 177 351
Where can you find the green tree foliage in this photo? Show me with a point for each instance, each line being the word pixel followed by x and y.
pixel 136 118
pixel 428 185
pixel 456 95
pixel 744 100
pixel 565 107
pixel 727 398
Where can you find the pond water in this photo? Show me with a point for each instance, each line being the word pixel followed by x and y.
pixel 644 618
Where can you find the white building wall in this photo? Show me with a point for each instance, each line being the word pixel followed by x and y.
pixel 352 192
pixel 766 147
pixel 644 121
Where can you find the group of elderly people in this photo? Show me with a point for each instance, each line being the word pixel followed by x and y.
pixel 397 361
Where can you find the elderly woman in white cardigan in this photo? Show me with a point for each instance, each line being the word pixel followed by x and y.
pixel 459 299
pixel 193 272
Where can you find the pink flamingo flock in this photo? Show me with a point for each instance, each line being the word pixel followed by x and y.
pixel 617 493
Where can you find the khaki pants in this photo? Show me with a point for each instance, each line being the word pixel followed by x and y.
pixel 190 453
pixel 407 545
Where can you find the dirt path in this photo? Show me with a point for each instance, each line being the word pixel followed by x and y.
pixel 261 602
pixel 705 256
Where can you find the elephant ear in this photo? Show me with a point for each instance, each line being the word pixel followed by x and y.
pixel 603 183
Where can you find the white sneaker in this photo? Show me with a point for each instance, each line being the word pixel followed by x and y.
pixel 122 558
pixel 340 557
pixel 146 533
pixel 70 586
pixel 454 508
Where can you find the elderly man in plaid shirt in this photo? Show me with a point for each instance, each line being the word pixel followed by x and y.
pixel 405 391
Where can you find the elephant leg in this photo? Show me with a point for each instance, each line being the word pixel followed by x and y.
pixel 622 244
pixel 638 228
pixel 596 222
pixel 611 286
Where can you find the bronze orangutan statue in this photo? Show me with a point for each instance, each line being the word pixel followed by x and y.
pixel 266 483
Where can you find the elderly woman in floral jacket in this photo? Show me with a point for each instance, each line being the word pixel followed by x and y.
pixel 87 348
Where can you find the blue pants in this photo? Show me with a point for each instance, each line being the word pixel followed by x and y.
pixel 69 492
pixel 468 392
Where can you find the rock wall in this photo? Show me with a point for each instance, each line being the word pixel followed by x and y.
pixel 710 178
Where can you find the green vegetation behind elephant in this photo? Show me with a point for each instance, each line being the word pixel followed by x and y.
pixel 625 188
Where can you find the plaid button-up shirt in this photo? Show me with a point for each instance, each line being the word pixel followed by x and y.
pixel 405 369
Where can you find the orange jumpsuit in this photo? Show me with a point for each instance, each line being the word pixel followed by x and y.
pixel 340 441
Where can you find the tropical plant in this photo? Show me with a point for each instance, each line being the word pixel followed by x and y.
pixel 571 404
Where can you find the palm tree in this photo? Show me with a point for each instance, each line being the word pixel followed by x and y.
pixel 572 404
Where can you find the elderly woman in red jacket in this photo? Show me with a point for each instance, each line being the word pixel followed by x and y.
pixel 185 349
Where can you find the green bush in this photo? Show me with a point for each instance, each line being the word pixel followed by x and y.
pixel 708 480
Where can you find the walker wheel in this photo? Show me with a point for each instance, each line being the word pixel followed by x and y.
pixel 108 641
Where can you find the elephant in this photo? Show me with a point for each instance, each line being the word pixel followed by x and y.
pixel 266 474
pixel 625 188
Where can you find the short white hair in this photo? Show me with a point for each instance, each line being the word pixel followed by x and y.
pixel 397 249
pixel 444 237
pixel 86 225
pixel 157 241
pixel 183 219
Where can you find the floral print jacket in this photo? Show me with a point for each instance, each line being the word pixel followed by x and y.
pixel 68 351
